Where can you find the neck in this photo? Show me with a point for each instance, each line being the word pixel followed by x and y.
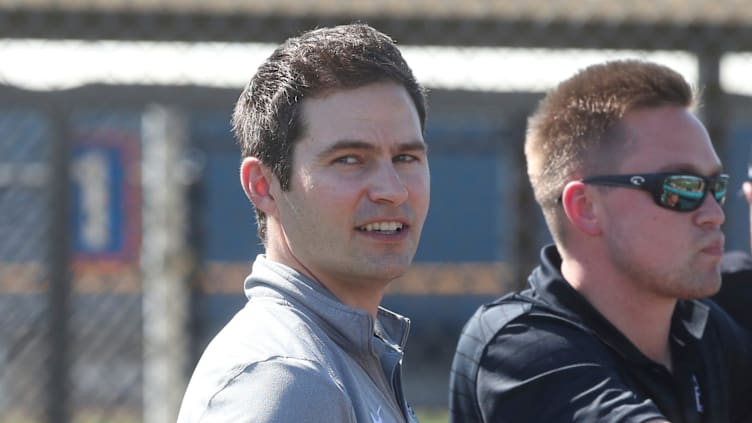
pixel 363 296
pixel 365 301
pixel 366 298
pixel 644 318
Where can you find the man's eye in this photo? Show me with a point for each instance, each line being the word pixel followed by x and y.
pixel 406 158
pixel 348 160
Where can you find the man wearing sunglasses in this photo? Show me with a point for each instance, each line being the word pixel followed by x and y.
pixel 614 325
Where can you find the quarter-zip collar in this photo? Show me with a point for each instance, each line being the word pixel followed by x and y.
pixel 353 329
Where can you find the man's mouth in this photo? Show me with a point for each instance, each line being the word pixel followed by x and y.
pixel 383 227
pixel 715 247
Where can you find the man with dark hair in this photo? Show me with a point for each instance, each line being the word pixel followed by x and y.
pixel 334 162
pixel 614 325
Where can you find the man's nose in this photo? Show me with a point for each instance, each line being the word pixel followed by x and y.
pixel 711 212
pixel 386 185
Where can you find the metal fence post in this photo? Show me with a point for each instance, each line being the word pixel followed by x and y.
pixel 60 278
pixel 526 227
pixel 714 111
pixel 166 262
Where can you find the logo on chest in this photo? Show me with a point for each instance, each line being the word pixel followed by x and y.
pixel 376 418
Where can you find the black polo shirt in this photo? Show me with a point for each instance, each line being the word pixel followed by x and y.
pixel 547 355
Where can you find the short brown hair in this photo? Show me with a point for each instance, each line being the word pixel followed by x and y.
pixel 576 128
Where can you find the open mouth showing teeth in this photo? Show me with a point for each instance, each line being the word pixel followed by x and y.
pixel 383 227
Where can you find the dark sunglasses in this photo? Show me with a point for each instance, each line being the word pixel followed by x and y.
pixel 674 191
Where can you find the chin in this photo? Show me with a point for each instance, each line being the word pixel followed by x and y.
pixel 707 289
pixel 395 264
pixel 396 272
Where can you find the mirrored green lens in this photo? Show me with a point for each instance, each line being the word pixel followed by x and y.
pixel 719 190
pixel 687 186
pixel 683 192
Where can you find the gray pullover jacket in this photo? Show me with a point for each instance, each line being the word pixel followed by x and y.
pixel 295 353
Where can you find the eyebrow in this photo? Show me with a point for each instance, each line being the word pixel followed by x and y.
pixel 362 145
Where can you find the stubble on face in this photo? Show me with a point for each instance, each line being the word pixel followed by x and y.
pixel 694 279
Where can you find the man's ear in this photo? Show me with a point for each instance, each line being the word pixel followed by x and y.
pixel 256 180
pixel 580 208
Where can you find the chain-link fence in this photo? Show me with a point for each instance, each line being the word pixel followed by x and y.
pixel 25 223
pixel 125 236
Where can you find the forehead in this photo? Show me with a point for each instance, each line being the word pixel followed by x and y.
pixel 381 112
pixel 667 138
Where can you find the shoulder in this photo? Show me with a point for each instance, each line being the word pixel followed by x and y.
pixel 477 334
pixel 523 320
pixel 267 346
pixel 516 351
pixel 276 390
pixel 264 330
pixel 541 340
pixel 268 328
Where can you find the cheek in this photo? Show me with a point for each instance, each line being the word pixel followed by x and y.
pixel 418 183
pixel 646 227
pixel 657 234
pixel 631 225
pixel 336 199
